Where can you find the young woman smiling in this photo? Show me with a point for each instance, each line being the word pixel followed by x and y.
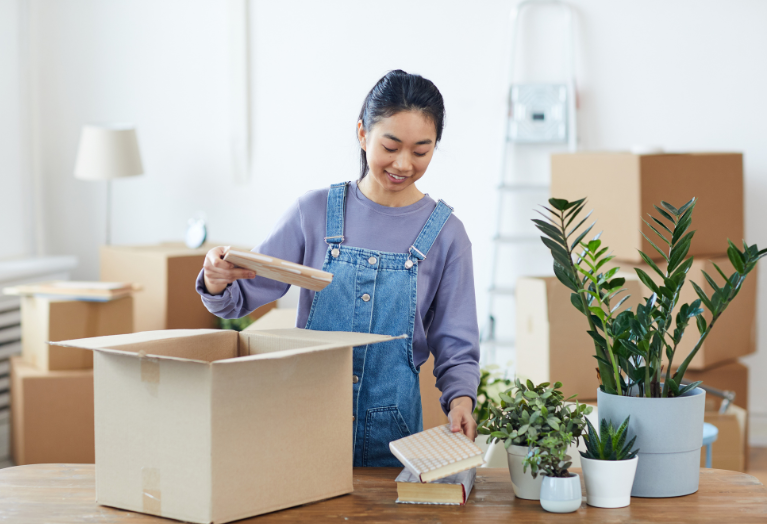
pixel 401 264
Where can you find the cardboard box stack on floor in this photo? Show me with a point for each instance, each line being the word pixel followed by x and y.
pixel 51 386
pixel 622 189
pixel 215 426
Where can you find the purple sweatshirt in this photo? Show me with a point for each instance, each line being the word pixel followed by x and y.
pixel 446 312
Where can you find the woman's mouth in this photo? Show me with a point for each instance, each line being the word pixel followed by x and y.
pixel 395 178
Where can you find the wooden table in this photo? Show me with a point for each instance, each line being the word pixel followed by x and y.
pixel 65 493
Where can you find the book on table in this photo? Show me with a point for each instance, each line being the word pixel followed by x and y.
pixel 281 270
pixel 77 290
pixel 454 489
pixel 436 453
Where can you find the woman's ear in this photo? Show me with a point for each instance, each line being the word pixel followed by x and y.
pixel 361 134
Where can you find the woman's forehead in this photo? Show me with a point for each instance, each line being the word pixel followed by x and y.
pixel 407 127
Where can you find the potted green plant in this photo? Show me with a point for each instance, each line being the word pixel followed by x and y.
pixel 548 458
pixel 526 414
pixel 630 346
pixel 609 465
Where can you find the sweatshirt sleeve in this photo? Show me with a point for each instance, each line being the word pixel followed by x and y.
pixel 453 335
pixel 286 241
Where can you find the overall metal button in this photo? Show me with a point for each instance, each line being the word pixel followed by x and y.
pixel 335 252
pixel 408 264
pixel 366 297
pixel 353 418
pixel 355 379
pixel 372 260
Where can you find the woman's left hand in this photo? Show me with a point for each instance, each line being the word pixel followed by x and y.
pixel 461 418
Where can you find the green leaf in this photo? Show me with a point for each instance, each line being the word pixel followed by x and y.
pixel 614 309
pixel 575 300
pixel 688 205
pixel 531 394
pixel 652 264
pixel 580 237
pixel 657 232
pixel 711 281
pixel 593 246
pixel 665 215
pixel 557 252
pixel 721 273
pixel 560 204
pixel 703 297
pixel 550 231
pixel 575 228
pixel 646 280
pixel 735 259
pixel 688 387
pixel 668 206
pixel 660 252
pixel 564 276
pixel 661 224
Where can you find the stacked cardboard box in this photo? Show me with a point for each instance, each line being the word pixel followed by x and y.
pixel 51 386
pixel 623 189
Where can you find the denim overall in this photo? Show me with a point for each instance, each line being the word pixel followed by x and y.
pixel 375 292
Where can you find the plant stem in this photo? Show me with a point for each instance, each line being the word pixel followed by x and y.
pixel 668 372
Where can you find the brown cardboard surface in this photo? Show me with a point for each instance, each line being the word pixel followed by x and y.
pixel 732 376
pixel 52 415
pixel 552 341
pixel 622 189
pixel 201 437
pixel 167 273
pixel 730 449
pixel 52 319
pixel 734 334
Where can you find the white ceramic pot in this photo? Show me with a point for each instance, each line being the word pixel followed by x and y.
pixel 525 486
pixel 609 482
pixel 561 495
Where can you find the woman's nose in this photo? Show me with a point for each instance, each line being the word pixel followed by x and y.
pixel 403 163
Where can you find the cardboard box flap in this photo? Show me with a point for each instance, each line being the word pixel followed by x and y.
pixel 196 345
pixel 346 338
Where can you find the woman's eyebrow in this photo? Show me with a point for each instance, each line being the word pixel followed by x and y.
pixel 392 137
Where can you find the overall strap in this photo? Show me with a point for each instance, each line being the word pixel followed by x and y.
pixel 430 231
pixel 334 220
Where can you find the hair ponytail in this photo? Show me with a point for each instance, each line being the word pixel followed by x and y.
pixel 399 91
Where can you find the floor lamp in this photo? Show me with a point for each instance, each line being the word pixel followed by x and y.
pixel 107 152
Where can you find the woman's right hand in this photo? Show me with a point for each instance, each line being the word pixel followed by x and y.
pixel 218 273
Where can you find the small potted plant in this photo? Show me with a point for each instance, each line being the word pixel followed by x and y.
pixel 609 465
pixel 526 414
pixel 548 458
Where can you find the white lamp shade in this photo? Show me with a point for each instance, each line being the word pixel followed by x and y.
pixel 107 152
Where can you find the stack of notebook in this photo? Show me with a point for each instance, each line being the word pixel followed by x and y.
pixel 439 466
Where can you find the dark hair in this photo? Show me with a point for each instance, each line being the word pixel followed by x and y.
pixel 398 91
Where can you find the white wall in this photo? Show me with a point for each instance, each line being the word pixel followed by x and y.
pixel 686 75
pixel 15 180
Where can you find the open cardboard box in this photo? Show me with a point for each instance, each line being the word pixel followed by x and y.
pixel 195 425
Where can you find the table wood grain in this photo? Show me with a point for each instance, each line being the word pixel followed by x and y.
pixel 65 493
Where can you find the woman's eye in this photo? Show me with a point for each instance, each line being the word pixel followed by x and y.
pixel 420 154
pixel 389 150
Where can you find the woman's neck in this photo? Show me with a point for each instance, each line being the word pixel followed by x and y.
pixel 380 196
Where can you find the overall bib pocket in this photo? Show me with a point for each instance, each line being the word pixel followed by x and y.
pixel 383 425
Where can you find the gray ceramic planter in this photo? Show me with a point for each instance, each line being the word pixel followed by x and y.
pixel 669 437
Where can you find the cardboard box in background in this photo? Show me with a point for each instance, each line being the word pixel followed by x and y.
pixel 168 273
pixel 734 334
pixel 433 416
pixel 622 188
pixel 552 341
pixel 731 376
pixel 52 319
pixel 192 424
pixel 730 450
pixel 51 415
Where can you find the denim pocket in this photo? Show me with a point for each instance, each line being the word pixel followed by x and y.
pixel 382 425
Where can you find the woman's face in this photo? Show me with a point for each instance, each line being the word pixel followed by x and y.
pixel 398 149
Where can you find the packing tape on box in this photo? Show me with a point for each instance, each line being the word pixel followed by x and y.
pixel 151 496
pixel 150 372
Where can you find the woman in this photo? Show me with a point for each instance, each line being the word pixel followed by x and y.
pixel 401 264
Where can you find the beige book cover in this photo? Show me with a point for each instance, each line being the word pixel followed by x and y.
pixel 437 453
pixel 281 270
pixel 452 490
pixel 102 291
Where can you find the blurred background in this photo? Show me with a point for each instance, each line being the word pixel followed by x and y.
pixel 242 106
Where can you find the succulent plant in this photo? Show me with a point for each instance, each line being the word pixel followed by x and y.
pixel 609 443
pixel 528 412
pixel 549 455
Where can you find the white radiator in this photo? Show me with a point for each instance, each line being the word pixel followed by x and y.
pixel 13 273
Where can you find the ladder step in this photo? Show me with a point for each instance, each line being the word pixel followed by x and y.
pixel 524 187
pixel 499 343
pixel 515 239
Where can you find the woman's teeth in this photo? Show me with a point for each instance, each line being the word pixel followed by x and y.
pixel 396 177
